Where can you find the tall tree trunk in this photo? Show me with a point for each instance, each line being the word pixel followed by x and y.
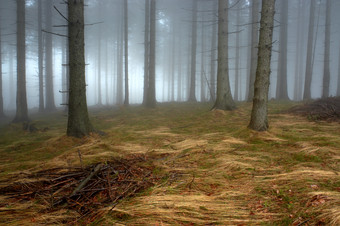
pixel 151 100
pixel 146 50
pixel 326 70
pixel 192 93
pixel 99 68
pixel 281 85
pixel 338 88
pixel 21 103
pixel 40 59
pixel 50 105
pixel 259 120
pixel 237 56
pixel 79 124
pixel 254 48
pixel 213 57
pixel 179 70
pixel 107 72
pixel 203 80
pixel 126 53
pixel 224 99
pixel 120 65
pixel 299 42
pixel 1 90
pixel 309 65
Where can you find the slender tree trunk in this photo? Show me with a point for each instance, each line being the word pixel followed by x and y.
pixel 281 85
pixel 259 120
pixel 21 102
pixel 126 53
pixel 309 65
pixel 203 80
pixel 40 59
pixel 298 60
pixel 192 93
pixel 326 70
pixel 213 58
pixel 99 68
pixel 1 96
pixel 79 124
pixel 254 49
pixel 224 100
pixel 107 72
pixel 120 66
pixel 151 100
pixel 338 88
pixel 237 57
pixel 179 71
pixel 146 50
pixel 50 105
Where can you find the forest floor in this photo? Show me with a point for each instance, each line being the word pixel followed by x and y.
pixel 207 168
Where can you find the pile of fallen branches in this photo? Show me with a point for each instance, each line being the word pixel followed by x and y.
pixel 83 190
pixel 327 109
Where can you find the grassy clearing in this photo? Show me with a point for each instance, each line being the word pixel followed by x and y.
pixel 214 170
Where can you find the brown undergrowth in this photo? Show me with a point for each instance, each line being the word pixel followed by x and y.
pixel 210 169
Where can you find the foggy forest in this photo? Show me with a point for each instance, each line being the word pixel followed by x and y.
pixel 170 112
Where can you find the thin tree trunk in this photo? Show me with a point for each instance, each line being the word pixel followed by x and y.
pixel 224 100
pixel 151 100
pixel 281 85
pixel 338 88
pixel 298 60
pixel 203 80
pixel 99 68
pixel 213 58
pixel 1 90
pixel 237 57
pixel 146 50
pixel 254 49
pixel 40 59
pixel 326 70
pixel 309 65
pixel 192 93
pixel 126 53
pixel 120 65
pixel 79 124
pixel 50 105
pixel 21 102
pixel 259 119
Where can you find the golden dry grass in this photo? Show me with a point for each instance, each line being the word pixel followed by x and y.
pixel 214 170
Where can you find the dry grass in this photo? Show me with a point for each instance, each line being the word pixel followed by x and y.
pixel 214 170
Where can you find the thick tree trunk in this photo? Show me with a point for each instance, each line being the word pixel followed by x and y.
pixel 326 70
pixel 50 105
pixel 281 84
pixel 151 100
pixel 78 120
pixel 40 59
pixel 309 65
pixel 254 48
pixel 192 92
pixel 126 53
pixel 146 50
pixel 259 120
pixel 224 100
pixel 21 103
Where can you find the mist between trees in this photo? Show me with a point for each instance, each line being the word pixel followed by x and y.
pixel 171 48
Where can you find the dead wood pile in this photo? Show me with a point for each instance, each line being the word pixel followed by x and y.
pixel 83 190
pixel 327 109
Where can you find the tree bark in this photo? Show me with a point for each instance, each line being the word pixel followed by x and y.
pixel 326 70
pixel 192 92
pixel 309 65
pixel 254 49
pixel 126 53
pixel 224 100
pixel 40 59
pixel 281 82
pixel 79 124
pixel 151 100
pixel 21 102
pixel 146 50
pixel 259 120
pixel 50 105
